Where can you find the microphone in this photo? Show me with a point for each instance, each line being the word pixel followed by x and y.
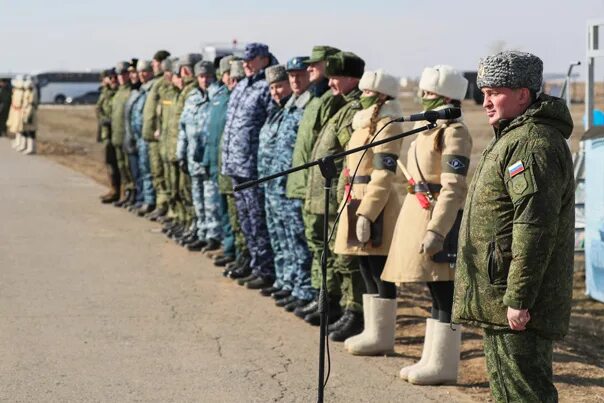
pixel 432 116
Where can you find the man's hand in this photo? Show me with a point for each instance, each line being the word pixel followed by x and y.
pixel 156 134
pixel 432 243
pixel 518 318
pixel 363 229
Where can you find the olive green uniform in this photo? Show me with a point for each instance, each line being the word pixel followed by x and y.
pixel 516 249
pixel 152 113
pixel 118 130
pixel 343 274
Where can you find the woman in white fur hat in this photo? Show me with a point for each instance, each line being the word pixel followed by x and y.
pixel 372 205
pixel 425 239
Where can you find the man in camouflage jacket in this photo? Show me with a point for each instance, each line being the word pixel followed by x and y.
pixel 118 129
pixel 104 115
pixel 344 283
pixel 515 264
pixel 249 106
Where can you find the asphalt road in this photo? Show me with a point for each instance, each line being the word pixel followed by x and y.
pixel 97 306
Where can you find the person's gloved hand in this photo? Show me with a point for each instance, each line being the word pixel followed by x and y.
pixel 363 229
pixel 156 134
pixel 182 164
pixel 432 243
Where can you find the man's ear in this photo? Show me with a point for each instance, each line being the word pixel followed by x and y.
pixel 525 96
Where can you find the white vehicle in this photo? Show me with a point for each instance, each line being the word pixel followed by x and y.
pixel 215 51
pixel 62 87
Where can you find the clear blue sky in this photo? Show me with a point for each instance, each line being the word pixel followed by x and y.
pixel 401 36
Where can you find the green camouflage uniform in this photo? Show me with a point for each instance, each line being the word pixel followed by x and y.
pixel 343 274
pixel 152 123
pixel 118 130
pixel 181 201
pixel 167 96
pixel 516 248
pixel 103 110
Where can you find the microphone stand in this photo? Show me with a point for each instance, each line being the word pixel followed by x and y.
pixel 329 172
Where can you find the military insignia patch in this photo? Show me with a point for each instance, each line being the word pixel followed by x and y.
pixel 456 164
pixel 516 168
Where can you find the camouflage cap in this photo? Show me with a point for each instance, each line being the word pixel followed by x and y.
pixel 188 60
pixel 122 67
pixel 166 65
pixel 345 64
pixel 144 65
pixel 204 67
pixel 255 49
pixel 132 64
pixel 296 63
pixel 161 55
pixel 321 53
pixel 225 64
pixel 108 72
pixel 275 73
pixel 511 69
pixel 237 72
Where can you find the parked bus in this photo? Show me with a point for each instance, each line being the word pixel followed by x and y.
pixel 63 87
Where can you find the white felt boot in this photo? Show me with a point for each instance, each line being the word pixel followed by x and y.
pixel 31 146
pixel 443 363
pixel 22 144
pixel 367 300
pixel 16 141
pixel 380 338
pixel 425 352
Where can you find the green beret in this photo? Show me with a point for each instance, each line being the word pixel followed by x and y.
pixel 321 53
pixel 345 64
pixel 161 55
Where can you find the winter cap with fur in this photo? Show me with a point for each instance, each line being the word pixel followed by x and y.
pixel 511 69
pixel 161 55
pixel 345 64
pixel 275 74
pixel 225 64
pixel 237 72
pixel 188 60
pixel 204 67
pixel 381 82
pixel 144 65
pixel 122 67
pixel 444 80
pixel 166 65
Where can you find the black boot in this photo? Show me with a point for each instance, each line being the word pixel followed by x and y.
pixel 157 213
pixel 277 295
pixel 334 311
pixel 244 280
pixel 267 291
pixel 121 202
pixel 259 282
pixel 223 260
pixel 339 323
pixel 298 303
pixel 211 245
pixel 197 245
pixel 307 309
pixel 285 301
pixel 352 326
pixel 145 209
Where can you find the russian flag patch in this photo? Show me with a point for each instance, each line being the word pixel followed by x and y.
pixel 516 168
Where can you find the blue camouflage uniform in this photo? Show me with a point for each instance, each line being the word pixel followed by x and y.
pixel 190 146
pixel 136 129
pixel 219 100
pixel 249 106
pixel 130 146
pixel 284 215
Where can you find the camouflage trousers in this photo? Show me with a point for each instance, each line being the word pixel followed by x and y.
pixel 252 219
pixel 239 239
pixel 519 365
pixel 181 200
pixel 212 211
pixel 286 229
pixel 343 278
pixel 157 173
pixel 144 168
pixel 228 238
pixel 122 166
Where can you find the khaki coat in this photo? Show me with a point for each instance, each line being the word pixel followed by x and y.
pixel 30 110
pixel 449 169
pixel 379 200
pixel 15 117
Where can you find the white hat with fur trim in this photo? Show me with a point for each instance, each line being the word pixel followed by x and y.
pixel 444 80
pixel 381 82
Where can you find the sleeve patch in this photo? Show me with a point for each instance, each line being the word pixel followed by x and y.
pixel 385 161
pixel 455 164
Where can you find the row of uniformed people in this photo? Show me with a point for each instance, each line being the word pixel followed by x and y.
pixel 180 134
